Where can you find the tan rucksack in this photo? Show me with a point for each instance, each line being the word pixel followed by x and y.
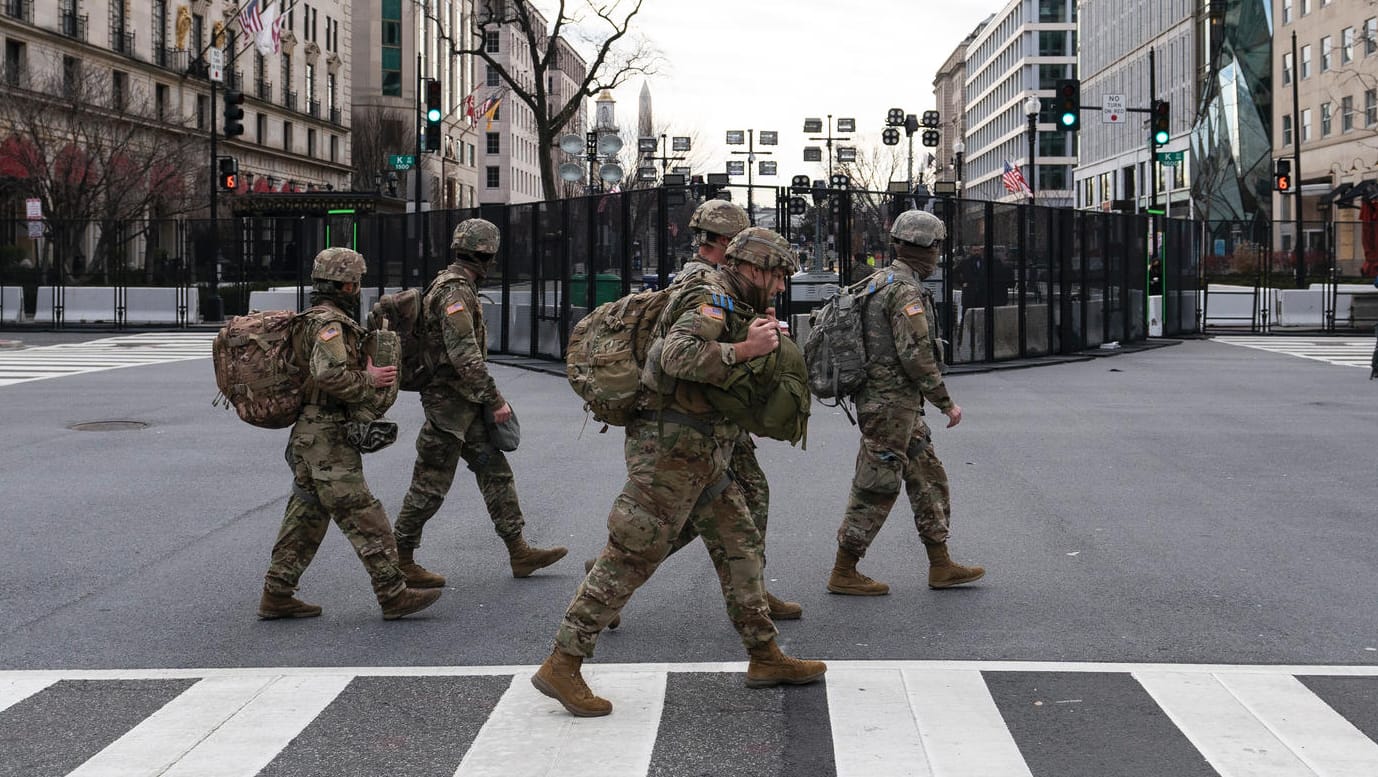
pixel 607 350
pixel 405 313
pixel 256 371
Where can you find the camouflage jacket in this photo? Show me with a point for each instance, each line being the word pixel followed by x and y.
pixel 699 325
pixel 693 270
pixel 902 343
pixel 455 332
pixel 329 344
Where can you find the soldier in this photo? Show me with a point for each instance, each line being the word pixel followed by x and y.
pixel 328 476
pixel 896 446
pixel 677 458
pixel 455 341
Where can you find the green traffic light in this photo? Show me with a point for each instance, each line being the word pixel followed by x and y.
pixel 1068 119
pixel 433 115
pixel 1160 137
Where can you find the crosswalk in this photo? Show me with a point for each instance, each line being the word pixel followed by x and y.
pixel 868 719
pixel 108 353
pixel 1344 351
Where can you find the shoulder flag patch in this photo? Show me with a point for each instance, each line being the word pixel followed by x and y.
pixel 711 311
pixel 914 309
pixel 329 333
pixel 455 307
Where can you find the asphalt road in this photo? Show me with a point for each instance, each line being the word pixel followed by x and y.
pixel 1197 504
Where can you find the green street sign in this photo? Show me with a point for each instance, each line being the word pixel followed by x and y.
pixel 402 161
pixel 1171 158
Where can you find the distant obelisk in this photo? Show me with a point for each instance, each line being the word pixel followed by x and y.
pixel 644 127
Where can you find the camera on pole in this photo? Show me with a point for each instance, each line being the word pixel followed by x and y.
pixel 233 113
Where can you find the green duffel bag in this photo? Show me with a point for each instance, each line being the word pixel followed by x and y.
pixel 770 396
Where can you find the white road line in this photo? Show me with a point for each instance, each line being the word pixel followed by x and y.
pixel 964 733
pixel 19 687
pixel 1235 742
pixel 875 733
pixel 528 734
pixel 1315 732
pixel 1345 352
pixel 164 737
pixel 65 359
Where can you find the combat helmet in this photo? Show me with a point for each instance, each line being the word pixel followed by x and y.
pixel 477 238
pixel 918 227
pixel 341 265
pixel 763 248
pixel 719 217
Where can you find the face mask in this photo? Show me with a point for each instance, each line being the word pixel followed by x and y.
pixel 924 261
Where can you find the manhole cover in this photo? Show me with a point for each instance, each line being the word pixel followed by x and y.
pixel 108 426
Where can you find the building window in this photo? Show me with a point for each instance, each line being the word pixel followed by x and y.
pixel 1370 107
pixel 1287 68
pixel 119 89
pixel 1305 7
pixel 202 106
pixel 160 32
pixel 286 74
pixel 493 179
pixel 1327 43
pixel 392 48
pixel 334 149
pixel 1305 62
pixel 1346 114
pixel 311 143
pixel 330 87
pixel 1286 11
pixel 160 94
pixel 1052 43
pixel 490 41
pixel 261 129
pixel 494 143
pixel 1306 126
pixel 14 62
pixel 1286 129
pixel 1325 119
pixel 491 76
pixel 71 74
pixel 287 136
pixel 1347 45
pixel 1052 10
pixel 1370 36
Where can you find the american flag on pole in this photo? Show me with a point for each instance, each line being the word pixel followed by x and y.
pixel 268 37
pixel 250 19
pixel 1014 179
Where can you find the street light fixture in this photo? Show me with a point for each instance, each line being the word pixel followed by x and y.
pixel 1032 106
pixel 958 149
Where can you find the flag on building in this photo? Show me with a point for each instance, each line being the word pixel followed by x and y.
pixel 469 110
pixel 268 38
pixel 1014 179
pixel 492 112
pixel 250 20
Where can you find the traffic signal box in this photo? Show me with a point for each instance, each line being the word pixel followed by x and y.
pixel 1069 104
pixel 233 113
pixel 228 177
pixel 1282 176
pixel 434 113
pixel 1161 122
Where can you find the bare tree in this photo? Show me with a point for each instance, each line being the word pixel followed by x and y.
pixel 375 134
pixel 88 149
pixel 603 26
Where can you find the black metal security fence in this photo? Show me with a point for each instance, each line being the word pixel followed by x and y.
pixel 1015 280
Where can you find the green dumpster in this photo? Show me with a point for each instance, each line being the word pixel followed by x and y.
pixel 607 287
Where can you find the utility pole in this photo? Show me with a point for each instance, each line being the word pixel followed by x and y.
pixel 1296 163
pixel 417 172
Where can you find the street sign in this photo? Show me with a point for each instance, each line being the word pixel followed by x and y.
pixel 216 71
pixel 33 208
pixel 1112 109
pixel 1171 158
pixel 35 229
pixel 402 161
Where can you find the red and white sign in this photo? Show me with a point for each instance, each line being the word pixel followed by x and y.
pixel 33 209
pixel 1112 109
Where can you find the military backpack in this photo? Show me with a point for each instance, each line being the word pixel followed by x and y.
pixel 404 312
pixel 256 370
pixel 835 351
pixel 770 396
pixel 607 350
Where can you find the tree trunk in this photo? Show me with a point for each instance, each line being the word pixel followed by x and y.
pixel 546 141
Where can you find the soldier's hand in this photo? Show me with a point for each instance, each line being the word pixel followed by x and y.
pixel 381 377
pixel 954 416
pixel 761 339
pixel 502 414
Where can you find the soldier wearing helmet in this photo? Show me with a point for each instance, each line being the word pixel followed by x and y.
pixel 714 224
pixel 677 454
pixel 902 372
pixel 460 402
pixel 327 473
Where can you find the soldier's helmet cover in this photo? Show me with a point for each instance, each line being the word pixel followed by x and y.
pixel 475 236
pixel 918 227
pixel 719 217
pixel 763 248
pixel 342 265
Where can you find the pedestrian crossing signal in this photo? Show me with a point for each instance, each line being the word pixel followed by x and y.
pixel 1282 176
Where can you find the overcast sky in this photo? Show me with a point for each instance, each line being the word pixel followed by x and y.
pixel 768 64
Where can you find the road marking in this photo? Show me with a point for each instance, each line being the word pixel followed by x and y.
pixel 1342 351
pixel 56 361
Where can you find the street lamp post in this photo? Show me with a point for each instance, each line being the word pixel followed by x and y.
pixel 1032 106
pixel 958 149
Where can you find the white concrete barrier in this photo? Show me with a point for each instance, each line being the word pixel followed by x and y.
pixel 157 305
pixel 1228 305
pixel 80 304
pixel 1300 307
pixel 11 303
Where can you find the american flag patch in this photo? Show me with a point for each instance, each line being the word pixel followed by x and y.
pixel 913 310
pixel 711 312
pixel 454 308
pixel 329 333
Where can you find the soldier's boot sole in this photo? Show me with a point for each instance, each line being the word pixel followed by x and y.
pixel 411 600
pixel 616 619
pixel 534 559
pixel 955 575
pixel 420 577
pixel 783 611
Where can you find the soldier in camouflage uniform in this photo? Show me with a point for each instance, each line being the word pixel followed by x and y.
pixel 328 477
pixel 715 223
pixel 455 340
pixel 896 445
pixel 677 454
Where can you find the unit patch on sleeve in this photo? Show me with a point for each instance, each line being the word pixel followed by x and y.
pixel 712 312
pixel 914 309
pixel 329 333
pixel 455 307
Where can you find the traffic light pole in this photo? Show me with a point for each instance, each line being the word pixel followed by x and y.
pixel 1296 166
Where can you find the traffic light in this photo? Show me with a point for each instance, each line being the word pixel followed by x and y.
pixel 1069 104
pixel 229 173
pixel 1161 122
pixel 434 113
pixel 233 113
pixel 1282 176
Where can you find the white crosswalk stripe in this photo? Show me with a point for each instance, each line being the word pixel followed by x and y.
pixel 1344 351
pixel 108 353
pixel 886 718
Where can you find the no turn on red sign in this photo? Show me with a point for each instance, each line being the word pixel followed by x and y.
pixel 1112 109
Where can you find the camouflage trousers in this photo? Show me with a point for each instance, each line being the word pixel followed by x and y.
pixel 896 449
pixel 747 474
pixel 455 429
pixel 328 484
pixel 667 476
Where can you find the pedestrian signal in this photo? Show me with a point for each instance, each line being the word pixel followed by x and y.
pixel 1282 176
pixel 228 173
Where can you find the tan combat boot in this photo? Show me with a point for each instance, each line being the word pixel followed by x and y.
pixel 526 559
pixel 417 575
pixel 846 580
pixel 783 611
pixel 559 679
pixel 770 667
pixel 943 572
pixel 274 606
pixel 616 619
pixel 408 601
